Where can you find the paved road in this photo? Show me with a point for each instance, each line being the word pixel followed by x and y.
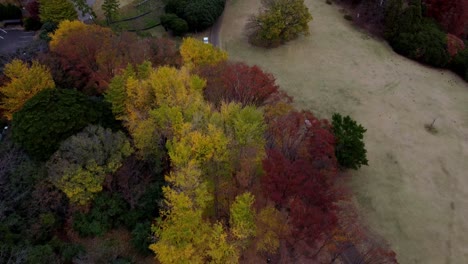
pixel 214 32
pixel 12 39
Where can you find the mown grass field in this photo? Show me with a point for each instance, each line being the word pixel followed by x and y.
pixel 415 191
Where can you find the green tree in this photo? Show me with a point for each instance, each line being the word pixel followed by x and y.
pixel 25 82
pixel 242 218
pixel 56 11
pixel 199 14
pixel 350 149
pixel 279 21
pixel 459 64
pixel 178 26
pixel 79 166
pixel 111 9
pixel 51 116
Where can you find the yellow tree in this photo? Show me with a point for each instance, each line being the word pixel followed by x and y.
pixel 242 218
pixel 80 165
pixel 196 53
pixel 65 29
pixel 25 82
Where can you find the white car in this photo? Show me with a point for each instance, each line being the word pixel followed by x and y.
pixel 205 40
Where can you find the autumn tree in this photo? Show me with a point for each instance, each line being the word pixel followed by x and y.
pixel 33 9
pixel 279 21
pixel 24 82
pixel 79 47
pixel 238 82
pixel 81 163
pixel 195 53
pixel 56 11
pixel 242 218
pixel 184 237
pixel 451 14
pixel 300 169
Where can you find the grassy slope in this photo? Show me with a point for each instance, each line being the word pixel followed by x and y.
pixel 415 191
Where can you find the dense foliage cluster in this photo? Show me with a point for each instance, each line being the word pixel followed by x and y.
pixel 198 14
pixel 350 149
pixel 189 158
pixel 56 11
pixel 279 21
pixel 50 117
pixel 414 36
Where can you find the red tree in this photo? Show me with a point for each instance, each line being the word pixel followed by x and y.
pixel 238 82
pixel 33 9
pixel 300 172
pixel 451 14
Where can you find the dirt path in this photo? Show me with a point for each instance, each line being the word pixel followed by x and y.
pixel 415 191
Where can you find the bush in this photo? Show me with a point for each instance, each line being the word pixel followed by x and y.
pixel 106 213
pixel 51 116
pixel 279 21
pixel 348 17
pixel 199 14
pixel 459 64
pixel 413 36
pixel 141 237
pixel 47 27
pixel 426 43
pixel 350 150
pixel 172 22
pixel 31 24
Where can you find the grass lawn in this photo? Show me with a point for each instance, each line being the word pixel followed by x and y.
pixel 415 191
pixel 129 9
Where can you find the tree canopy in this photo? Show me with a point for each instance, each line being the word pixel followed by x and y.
pixel 56 11
pixel 51 116
pixel 279 21
pixel 79 166
pixel 24 82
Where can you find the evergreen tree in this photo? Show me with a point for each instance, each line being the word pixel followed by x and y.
pixel 111 9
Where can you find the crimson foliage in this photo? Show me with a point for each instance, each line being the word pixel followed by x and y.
pixel 300 171
pixel 238 82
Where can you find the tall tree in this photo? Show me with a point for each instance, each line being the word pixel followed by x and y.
pixel 81 163
pixel 111 9
pixel 279 21
pixel 56 10
pixel 51 116
pixel 24 82
pixel 196 53
pixel 451 14
pixel 238 82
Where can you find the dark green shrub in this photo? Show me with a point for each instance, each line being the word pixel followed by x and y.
pixel 47 27
pixel 459 64
pixel 31 24
pixel 142 237
pixel 42 254
pixel 172 22
pixel 413 36
pixel 350 149
pixel 50 117
pixel 106 213
pixel 427 43
pixel 199 14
